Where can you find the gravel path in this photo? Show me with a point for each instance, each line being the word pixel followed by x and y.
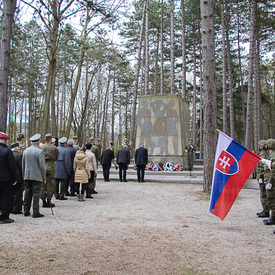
pixel 134 228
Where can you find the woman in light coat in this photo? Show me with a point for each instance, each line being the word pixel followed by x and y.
pixel 82 172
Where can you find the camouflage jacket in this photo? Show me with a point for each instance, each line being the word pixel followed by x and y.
pixel 261 167
pixel 51 155
pixel 96 151
pixel 270 174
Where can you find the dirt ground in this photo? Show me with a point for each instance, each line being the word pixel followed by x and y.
pixel 141 228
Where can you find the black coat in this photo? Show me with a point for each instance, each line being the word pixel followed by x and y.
pixel 123 156
pixel 7 164
pixel 107 156
pixel 141 156
pixel 18 160
pixel 72 151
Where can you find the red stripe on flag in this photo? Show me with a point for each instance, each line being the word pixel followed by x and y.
pixel 235 183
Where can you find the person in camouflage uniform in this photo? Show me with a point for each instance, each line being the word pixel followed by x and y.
pixel 51 155
pixel 20 139
pixel 261 171
pixel 126 142
pixel 270 182
pixel 99 145
pixel 190 149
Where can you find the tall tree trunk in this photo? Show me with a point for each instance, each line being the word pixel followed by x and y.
pixel 210 93
pixel 84 35
pixel 172 49
pixel 6 29
pixel 224 78
pixel 249 113
pixel 194 110
pixel 257 96
pixel 161 50
pixel 230 76
pixel 133 118
pixel 146 92
pixel 201 108
pixel 113 109
pixel 51 75
pixel 241 81
pixel 156 66
pixel 183 90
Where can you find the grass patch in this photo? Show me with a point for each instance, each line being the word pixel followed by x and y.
pixel 203 196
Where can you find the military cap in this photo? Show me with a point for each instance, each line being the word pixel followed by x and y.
pixel 20 136
pixel 4 136
pixel 15 144
pixel 62 140
pixel 92 139
pixel 262 143
pixel 270 144
pixel 48 136
pixel 126 139
pixel 35 138
pixel 75 137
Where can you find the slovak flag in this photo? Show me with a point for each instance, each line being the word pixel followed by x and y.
pixel 233 165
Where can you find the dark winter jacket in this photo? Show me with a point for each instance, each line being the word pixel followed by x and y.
pixel 18 160
pixel 7 164
pixel 123 156
pixel 107 156
pixel 72 151
pixel 141 156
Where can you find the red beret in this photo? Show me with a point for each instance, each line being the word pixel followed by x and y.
pixel 4 136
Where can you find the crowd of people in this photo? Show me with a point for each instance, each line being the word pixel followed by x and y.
pixel 56 168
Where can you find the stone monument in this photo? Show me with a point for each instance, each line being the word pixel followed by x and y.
pixel 163 128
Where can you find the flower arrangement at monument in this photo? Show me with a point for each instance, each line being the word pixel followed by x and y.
pixel 168 166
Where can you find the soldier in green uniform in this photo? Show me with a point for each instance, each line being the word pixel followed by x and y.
pixel 190 149
pixel 76 146
pixel 20 139
pixel 270 182
pixel 126 142
pixel 99 145
pixel 51 155
pixel 260 171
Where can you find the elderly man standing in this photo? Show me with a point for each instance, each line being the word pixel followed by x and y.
pixel 7 179
pixel 34 173
pixel 62 169
pixel 51 155
pixel 141 159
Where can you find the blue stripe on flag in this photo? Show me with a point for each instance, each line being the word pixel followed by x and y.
pixel 220 180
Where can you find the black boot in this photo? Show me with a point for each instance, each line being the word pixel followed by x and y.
pixel 50 204
pixel 269 221
pixel 263 214
pixel 44 203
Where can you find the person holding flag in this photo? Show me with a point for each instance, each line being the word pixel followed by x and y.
pixel 270 182
pixel 261 178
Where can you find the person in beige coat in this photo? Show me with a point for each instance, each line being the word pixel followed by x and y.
pixel 82 172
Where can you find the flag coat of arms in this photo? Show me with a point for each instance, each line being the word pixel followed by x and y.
pixel 233 165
